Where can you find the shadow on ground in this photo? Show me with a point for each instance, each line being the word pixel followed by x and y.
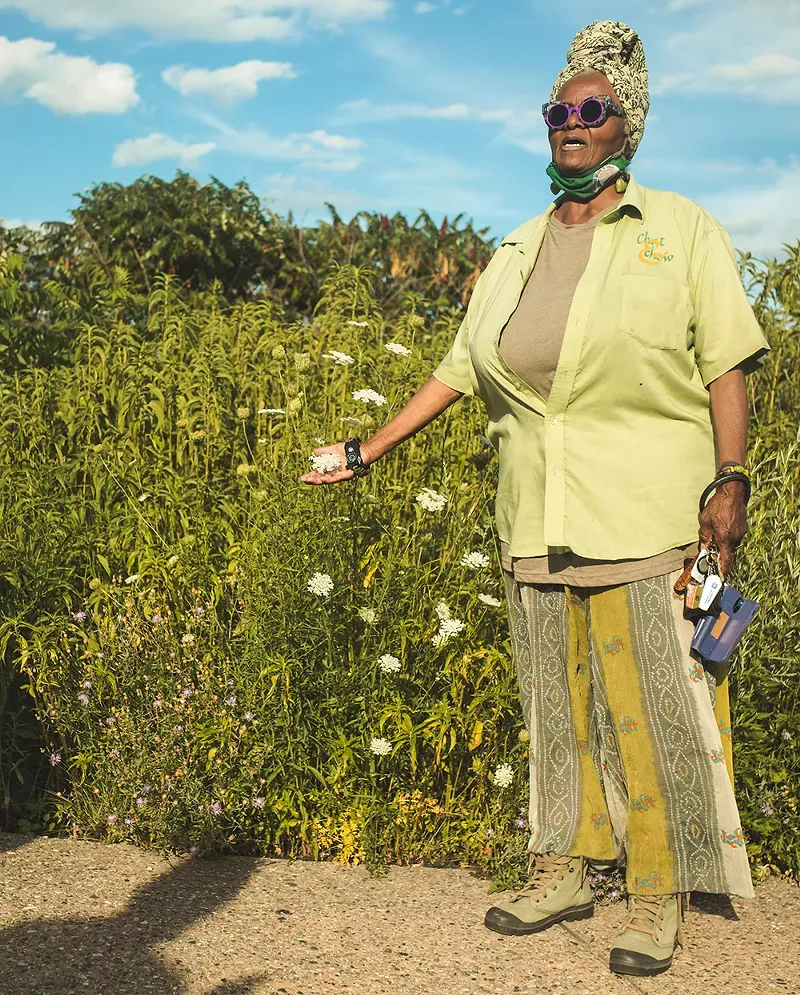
pixel 116 953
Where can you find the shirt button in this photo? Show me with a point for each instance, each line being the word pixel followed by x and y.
pixel 554 470
pixel 554 421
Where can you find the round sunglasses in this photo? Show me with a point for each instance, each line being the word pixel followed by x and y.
pixel 592 112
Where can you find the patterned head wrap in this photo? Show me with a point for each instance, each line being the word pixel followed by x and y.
pixel 615 50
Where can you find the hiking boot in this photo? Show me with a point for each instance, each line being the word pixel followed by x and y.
pixel 648 937
pixel 558 891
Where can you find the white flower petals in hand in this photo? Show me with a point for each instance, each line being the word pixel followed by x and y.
pixel 381 747
pixel 340 358
pixel 397 349
pixel 475 560
pixel 431 500
pixel 326 463
pixel 366 395
pixel 320 584
pixel 503 775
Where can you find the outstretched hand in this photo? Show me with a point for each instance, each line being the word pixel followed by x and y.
pixel 724 519
pixel 341 472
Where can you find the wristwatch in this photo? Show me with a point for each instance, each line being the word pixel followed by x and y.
pixel 355 461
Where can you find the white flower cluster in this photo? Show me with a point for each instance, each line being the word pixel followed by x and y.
pixel 389 664
pixel 381 747
pixel 475 560
pixel 431 500
pixel 320 584
pixel 449 627
pixel 397 349
pixel 325 463
pixel 368 615
pixel 340 358
pixel 271 411
pixel 487 599
pixel 366 395
pixel 359 324
pixel 503 775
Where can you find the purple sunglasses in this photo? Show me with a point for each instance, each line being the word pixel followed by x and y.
pixel 592 112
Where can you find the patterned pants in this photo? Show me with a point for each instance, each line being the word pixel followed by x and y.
pixel 630 750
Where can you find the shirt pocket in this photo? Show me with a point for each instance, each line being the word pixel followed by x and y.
pixel 655 311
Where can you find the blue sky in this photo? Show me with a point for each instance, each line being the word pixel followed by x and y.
pixel 390 104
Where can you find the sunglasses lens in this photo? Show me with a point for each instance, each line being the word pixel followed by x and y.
pixel 592 111
pixel 557 115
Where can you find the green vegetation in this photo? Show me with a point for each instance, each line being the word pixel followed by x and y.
pixel 168 677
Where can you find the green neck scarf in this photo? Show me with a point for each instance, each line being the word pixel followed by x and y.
pixel 586 185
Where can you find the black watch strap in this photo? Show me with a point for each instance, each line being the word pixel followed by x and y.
pixel 355 461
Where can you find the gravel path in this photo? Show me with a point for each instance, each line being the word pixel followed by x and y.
pixel 79 917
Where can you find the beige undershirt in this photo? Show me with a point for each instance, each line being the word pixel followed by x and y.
pixel 530 345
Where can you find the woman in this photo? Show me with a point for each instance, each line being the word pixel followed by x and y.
pixel 609 340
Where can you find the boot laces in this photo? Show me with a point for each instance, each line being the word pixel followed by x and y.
pixel 646 914
pixel 546 870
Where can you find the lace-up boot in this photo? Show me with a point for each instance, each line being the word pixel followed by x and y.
pixel 558 891
pixel 648 937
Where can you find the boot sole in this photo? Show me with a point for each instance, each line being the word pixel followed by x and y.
pixel 520 928
pixel 626 962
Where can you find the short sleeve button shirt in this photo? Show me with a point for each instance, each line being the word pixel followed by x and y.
pixel 612 464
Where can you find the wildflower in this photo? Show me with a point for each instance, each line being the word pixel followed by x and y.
pixel 340 358
pixel 368 615
pixel 490 832
pixel 380 747
pixel 110 720
pixel 359 324
pixel 216 809
pixel 278 352
pixel 113 754
pixel 448 628
pixel 143 498
pixel 271 411
pixel 141 802
pixel 83 699
pixel 766 809
pixel 132 579
pixel 158 703
pixel 263 442
pixel 258 802
pixel 487 599
pixel 231 701
pixel 187 638
pixel 187 693
pixel 302 361
pixel 244 469
pixel 54 758
pixel 520 823
pixel 320 584
pixel 79 616
pixel 326 463
pixel 248 716
pixel 146 789
pixel 475 560
pixel 128 821
pixel 431 500
pixel 157 617
pixel 442 611
pixel 389 664
pixel 198 435
pixel 503 775
pixel 112 820
pixel 173 560
pixel 178 728
pixel 199 610
pixel 243 413
pixel 786 735
pixel 397 349
pixel 367 394
pixel 86 684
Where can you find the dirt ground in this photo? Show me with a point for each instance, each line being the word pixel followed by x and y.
pixel 79 917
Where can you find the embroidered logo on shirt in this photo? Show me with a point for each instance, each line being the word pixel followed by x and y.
pixel 653 252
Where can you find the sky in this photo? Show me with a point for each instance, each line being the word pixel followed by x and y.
pixel 390 105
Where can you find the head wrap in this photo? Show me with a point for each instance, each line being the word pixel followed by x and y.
pixel 615 50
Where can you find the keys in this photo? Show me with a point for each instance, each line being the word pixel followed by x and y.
pixel 704 585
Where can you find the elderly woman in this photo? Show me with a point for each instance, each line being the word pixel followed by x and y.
pixel 609 339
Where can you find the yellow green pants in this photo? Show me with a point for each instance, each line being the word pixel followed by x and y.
pixel 630 750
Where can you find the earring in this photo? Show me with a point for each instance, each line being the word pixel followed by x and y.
pixel 622 183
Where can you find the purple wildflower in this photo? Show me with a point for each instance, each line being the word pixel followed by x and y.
pixel 248 716
pixel 79 616
pixel 83 699
pixel 216 809
pixel 766 809
pixel 54 758
pixel 258 802
pixel 520 823
pixel 199 611
pixel 231 701
pixel 157 617
pixel 187 693
pixel 110 720
pixel 112 820
pixel 86 684
pixel 158 703
pixel 141 802
pixel 178 728
pixel 128 821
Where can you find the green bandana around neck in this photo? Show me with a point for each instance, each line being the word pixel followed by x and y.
pixel 584 186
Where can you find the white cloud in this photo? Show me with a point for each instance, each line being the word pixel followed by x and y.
pixel 19 223
pixel 363 111
pixel 425 8
pixel 228 84
pixel 762 67
pixel 307 196
pixel 212 20
pixel 67 84
pixel 332 165
pixel 749 77
pixel 140 151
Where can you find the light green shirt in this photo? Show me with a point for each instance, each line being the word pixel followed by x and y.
pixel 613 463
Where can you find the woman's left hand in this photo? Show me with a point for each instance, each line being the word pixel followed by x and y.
pixel 724 519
